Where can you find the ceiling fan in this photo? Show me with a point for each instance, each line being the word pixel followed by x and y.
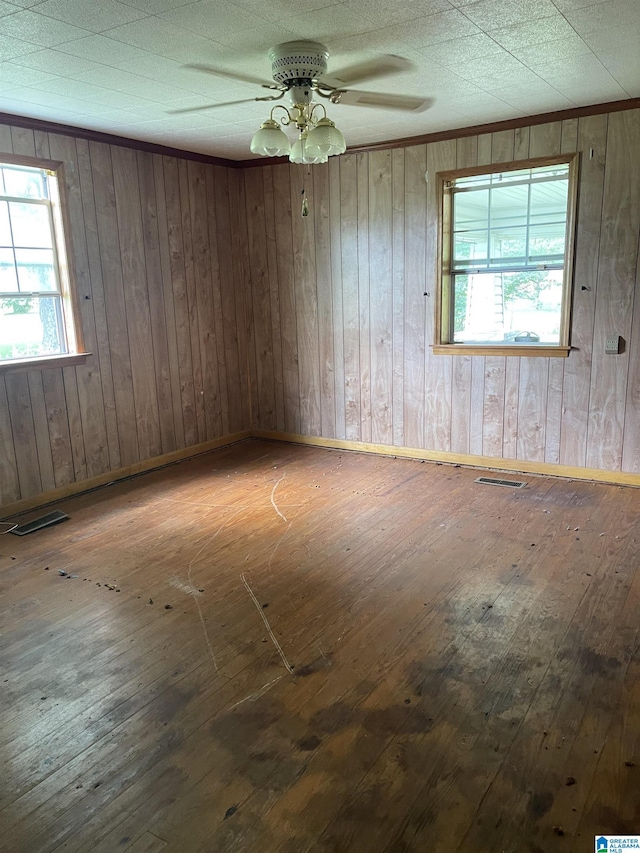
pixel 300 68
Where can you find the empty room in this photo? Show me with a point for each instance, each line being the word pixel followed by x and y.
pixel 320 426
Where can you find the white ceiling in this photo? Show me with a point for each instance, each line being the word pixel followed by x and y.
pixel 117 66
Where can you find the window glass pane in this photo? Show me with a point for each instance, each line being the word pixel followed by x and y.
pixel 509 247
pixel 30 327
pixel 30 224
pixel 546 243
pixel 509 205
pixel 5 228
pixel 471 210
pixel 36 270
pixel 515 308
pixel 549 202
pixel 8 278
pixel 24 183
pixel 470 249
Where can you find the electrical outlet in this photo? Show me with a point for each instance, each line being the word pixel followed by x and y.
pixel 612 345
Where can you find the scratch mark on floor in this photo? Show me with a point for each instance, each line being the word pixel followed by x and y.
pixel 273 553
pixel 273 491
pixel 191 584
pixel 253 696
pixel 267 626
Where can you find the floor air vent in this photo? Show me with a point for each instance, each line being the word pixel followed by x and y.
pixel 494 481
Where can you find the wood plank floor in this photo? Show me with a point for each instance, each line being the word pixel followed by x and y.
pixel 280 648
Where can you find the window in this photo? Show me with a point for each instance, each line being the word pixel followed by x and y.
pixel 37 319
pixel 506 247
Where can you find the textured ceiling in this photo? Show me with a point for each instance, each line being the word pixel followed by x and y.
pixel 117 66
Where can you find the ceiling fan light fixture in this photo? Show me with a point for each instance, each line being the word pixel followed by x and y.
pixel 300 152
pixel 325 140
pixel 270 140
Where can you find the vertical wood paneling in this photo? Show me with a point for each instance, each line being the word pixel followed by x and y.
pixel 204 299
pixel 109 242
pixel 230 368
pixel 155 289
pixel 438 369
pixel 9 483
pixel 260 297
pixel 615 294
pixel 397 166
pixel 180 299
pixel 415 226
pixel 244 313
pixel 56 404
pixel 219 367
pixel 287 292
pixel 24 434
pixel 631 443
pixel 274 331
pixel 211 301
pixel 381 295
pixel 102 342
pixel 191 292
pixel 335 216
pixel 304 266
pixel 144 254
pixel 125 177
pixel 351 314
pixel 381 260
pixel 90 448
pixel 323 290
pixel 41 427
pixel 364 301
pixel 167 298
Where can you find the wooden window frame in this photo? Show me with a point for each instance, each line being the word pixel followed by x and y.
pixel 68 288
pixel 444 290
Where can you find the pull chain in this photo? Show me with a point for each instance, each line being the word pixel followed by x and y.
pixel 305 200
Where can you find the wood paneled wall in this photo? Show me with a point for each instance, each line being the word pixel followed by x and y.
pixel 211 306
pixel 343 306
pixel 155 242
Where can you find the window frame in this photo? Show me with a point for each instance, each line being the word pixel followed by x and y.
pixel 443 343
pixel 63 253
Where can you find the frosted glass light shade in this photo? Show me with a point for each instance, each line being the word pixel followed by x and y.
pixel 325 140
pixel 300 153
pixel 270 140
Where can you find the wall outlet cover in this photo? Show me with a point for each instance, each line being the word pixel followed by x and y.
pixel 612 344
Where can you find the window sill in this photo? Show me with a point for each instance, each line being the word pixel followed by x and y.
pixel 44 362
pixel 527 350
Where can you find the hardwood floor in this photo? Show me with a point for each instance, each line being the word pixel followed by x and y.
pixel 466 673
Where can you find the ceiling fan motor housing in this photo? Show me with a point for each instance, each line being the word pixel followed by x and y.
pixel 298 62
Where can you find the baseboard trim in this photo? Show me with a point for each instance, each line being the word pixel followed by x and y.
pixel 71 489
pixel 548 469
pixel 518 466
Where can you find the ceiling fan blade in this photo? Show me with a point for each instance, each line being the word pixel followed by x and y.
pixel 382 100
pixel 231 75
pixel 213 106
pixel 371 69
